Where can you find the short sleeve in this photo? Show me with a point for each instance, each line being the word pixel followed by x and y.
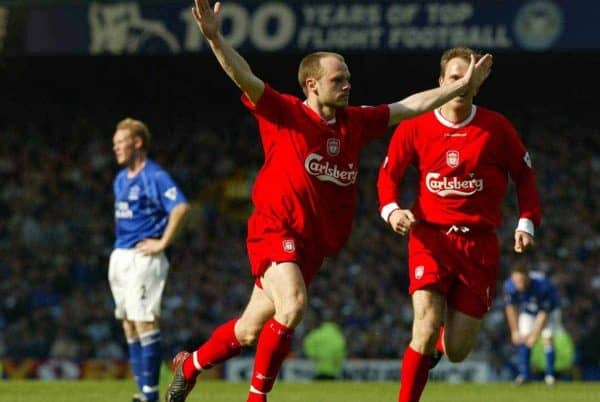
pixel 169 194
pixel 270 106
pixel 375 120
pixel 510 296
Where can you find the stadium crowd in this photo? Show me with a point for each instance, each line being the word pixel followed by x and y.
pixel 56 233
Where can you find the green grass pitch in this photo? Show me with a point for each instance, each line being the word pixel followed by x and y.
pixel 220 391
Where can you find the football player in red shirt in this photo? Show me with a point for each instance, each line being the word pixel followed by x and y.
pixel 463 155
pixel 304 196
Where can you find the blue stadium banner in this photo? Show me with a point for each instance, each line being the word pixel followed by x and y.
pixel 167 26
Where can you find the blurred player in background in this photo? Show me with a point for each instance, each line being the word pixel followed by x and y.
pixel 463 155
pixel 149 209
pixel 325 346
pixel 532 309
pixel 304 196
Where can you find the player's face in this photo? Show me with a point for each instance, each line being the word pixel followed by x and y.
pixel 520 280
pixel 124 146
pixel 333 88
pixel 455 70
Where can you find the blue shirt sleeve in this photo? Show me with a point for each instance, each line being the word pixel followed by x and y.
pixel 169 194
pixel 510 293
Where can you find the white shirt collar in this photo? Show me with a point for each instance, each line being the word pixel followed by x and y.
pixel 463 123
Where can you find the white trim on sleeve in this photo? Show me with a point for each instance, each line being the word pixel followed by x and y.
pixel 387 210
pixel 526 225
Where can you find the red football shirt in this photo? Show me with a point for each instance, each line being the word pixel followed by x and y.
pixel 462 169
pixel 308 180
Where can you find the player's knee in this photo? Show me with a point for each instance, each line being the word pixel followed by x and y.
pixel 457 356
pixel 425 335
pixel 547 335
pixel 457 352
pixel 248 339
pixel 145 326
pixel 247 335
pixel 292 311
pixel 129 329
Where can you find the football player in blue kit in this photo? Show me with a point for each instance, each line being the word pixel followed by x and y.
pixel 149 210
pixel 532 310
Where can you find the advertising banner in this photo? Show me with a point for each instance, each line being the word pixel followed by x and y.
pixel 167 27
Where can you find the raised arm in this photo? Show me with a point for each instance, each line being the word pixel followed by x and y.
pixel 236 67
pixel 425 101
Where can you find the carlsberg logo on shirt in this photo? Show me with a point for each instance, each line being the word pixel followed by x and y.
pixel 452 185
pixel 326 171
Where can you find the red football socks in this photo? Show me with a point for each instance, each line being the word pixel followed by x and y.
pixel 439 345
pixel 220 346
pixel 254 397
pixel 273 346
pixel 415 369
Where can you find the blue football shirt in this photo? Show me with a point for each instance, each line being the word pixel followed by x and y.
pixel 143 204
pixel 540 295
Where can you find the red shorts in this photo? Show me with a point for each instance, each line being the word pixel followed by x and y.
pixel 463 266
pixel 270 241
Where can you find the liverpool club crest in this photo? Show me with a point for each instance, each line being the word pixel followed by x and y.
pixel 289 246
pixel 333 146
pixel 452 158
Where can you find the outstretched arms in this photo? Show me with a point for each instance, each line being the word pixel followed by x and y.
pixel 236 67
pixel 425 101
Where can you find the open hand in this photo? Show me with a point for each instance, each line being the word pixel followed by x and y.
pixel 478 71
pixel 150 246
pixel 207 19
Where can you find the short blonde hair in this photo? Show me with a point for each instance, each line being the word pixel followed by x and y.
pixel 520 267
pixel 460 52
pixel 138 129
pixel 310 66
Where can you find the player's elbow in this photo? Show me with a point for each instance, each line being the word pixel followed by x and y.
pixel 183 209
pixel 186 208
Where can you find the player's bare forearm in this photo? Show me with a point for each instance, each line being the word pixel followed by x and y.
pixel 540 322
pixel 237 68
pixel 176 220
pixel 511 318
pixel 209 22
pixel 426 101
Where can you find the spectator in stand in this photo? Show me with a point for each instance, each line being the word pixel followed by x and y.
pixel 326 347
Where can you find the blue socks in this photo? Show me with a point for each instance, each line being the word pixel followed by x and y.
pixel 524 354
pixel 135 360
pixel 549 352
pixel 151 361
